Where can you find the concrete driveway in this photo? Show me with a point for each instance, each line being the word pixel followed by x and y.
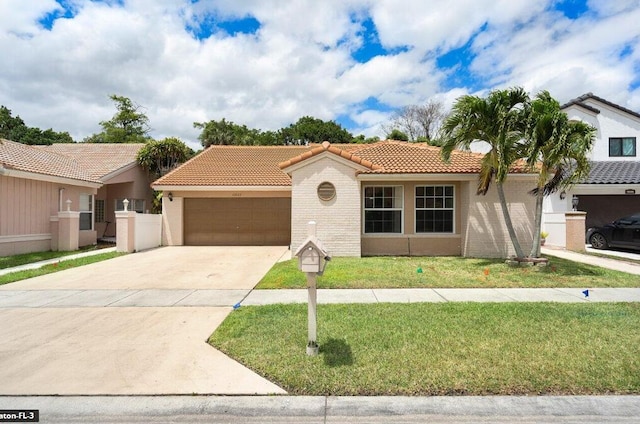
pixel 136 324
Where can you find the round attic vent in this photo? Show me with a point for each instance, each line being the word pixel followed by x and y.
pixel 326 191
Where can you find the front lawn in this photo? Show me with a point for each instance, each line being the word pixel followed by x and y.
pixel 445 272
pixel 441 349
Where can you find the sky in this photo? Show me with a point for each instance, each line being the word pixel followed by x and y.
pixel 265 63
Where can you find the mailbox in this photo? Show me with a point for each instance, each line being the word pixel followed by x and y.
pixel 312 256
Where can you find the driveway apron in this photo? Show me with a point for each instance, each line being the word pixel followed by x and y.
pixel 136 324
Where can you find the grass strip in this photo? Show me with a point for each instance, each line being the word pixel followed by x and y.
pixel 445 272
pixel 28 258
pixel 55 267
pixel 441 349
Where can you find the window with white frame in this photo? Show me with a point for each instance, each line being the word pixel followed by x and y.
pixel 434 209
pixel 135 205
pixel 383 209
pixel 86 211
pixel 622 146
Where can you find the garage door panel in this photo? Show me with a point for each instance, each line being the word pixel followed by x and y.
pixel 602 209
pixel 246 221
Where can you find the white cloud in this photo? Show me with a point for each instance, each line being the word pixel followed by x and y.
pixel 299 60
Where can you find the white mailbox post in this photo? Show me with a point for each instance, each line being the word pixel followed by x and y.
pixel 312 258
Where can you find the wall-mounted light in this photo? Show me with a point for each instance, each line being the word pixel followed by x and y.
pixel 563 195
pixel 574 202
pixel 629 191
pixel 170 197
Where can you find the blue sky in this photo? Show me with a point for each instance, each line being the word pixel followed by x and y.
pixel 266 64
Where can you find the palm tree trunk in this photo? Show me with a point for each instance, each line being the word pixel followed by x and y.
pixel 507 221
pixel 537 227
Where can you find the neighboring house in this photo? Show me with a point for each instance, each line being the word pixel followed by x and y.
pixel 34 187
pixel 386 198
pixel 37 181
pixel 612 189
pixel 114 165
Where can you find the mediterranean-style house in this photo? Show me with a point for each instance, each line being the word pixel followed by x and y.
pixel 42 186
pixel 385 198
pixel 612 189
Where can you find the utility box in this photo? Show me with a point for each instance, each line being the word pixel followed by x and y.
pixel 312 256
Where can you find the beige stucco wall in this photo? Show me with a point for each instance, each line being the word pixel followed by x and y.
pixel 172 221
pixel 485 234
pixel 339 219
pixel 131 184
pixel 26 207
pixel 410 243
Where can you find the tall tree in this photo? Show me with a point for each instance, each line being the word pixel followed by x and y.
pixel 128 125
pixel 499 119
pixel 557 149
pixel 418 122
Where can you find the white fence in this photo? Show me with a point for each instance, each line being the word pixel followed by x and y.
pixel 556 225
pixel 148 231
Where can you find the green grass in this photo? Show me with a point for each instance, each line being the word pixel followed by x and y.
pixel 440 272
pixel 441 349
pixel 28 258
pixel 55 267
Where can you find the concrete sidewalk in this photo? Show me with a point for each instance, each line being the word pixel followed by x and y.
pixel 614 264
pixel 167 298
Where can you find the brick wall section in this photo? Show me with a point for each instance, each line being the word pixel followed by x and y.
pixel 338 220
pixel 576 228
pixel 485 234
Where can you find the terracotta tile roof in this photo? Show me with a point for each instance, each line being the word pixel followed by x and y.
pixel 327 147
pixel 234 166
pixel 399 157
pixel 98 159
pixel 22 157
pixel 262 165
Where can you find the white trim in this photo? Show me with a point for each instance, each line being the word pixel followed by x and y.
pixel 220 188
pixel 25 238
pixel 415 209
pixel 48 178
pixel 364 209
pixel 603 189
pixel 310 160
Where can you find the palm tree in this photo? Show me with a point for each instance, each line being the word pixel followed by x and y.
pixel 558 150
pixel 500 120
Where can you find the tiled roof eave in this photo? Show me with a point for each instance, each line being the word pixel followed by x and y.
pixel 213 187
pixel 8 171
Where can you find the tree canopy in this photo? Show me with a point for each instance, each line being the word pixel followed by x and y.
pixel 160 157
pixel 128 125
pixel 306 130
pixel 14 129
pixel 396 134
pixel 498 119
